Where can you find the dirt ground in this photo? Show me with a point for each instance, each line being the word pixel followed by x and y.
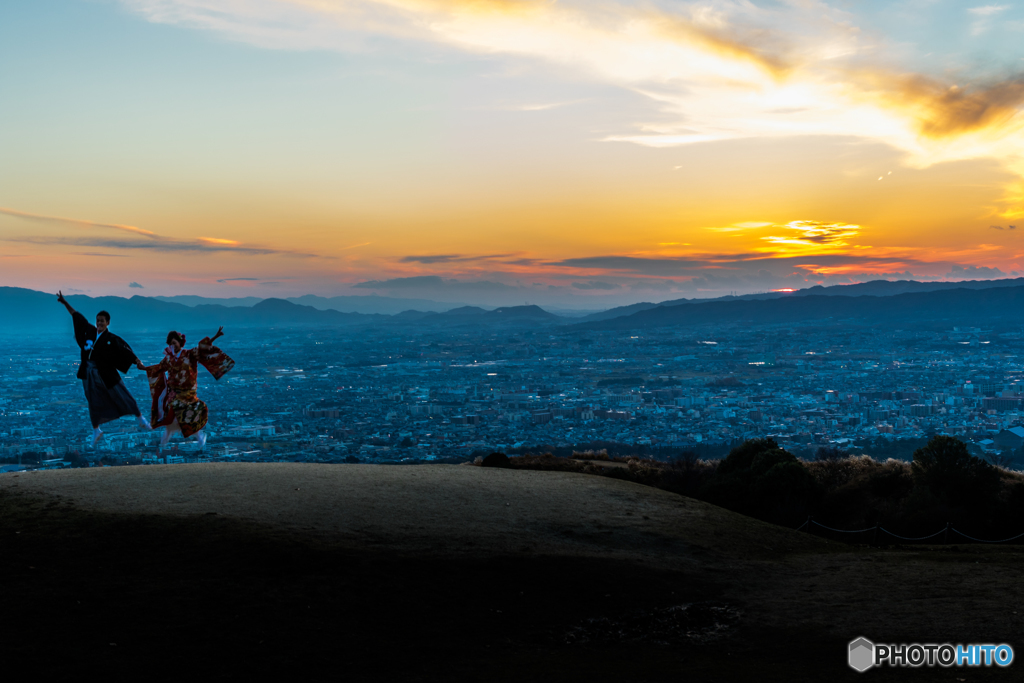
pixel 439 573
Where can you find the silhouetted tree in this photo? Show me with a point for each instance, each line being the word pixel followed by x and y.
pixel 760 479
pixel 946 468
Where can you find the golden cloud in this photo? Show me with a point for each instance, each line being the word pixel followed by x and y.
pixel 815 234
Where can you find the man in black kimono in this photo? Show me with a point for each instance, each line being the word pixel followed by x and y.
pixel 103 354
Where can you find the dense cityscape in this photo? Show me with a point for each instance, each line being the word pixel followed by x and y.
pixel 366 395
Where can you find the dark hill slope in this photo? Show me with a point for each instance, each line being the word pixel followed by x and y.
pixel 997 306
pixel 872 288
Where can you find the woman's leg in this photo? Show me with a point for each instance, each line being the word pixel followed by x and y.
pixel 201 438
pixel 168 433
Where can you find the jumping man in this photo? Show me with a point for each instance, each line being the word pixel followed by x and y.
pixel 103 354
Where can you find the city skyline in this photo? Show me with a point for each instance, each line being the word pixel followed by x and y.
pixel 566 154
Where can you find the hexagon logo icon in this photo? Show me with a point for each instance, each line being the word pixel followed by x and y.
pixel 861 654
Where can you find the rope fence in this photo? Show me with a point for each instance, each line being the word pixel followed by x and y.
pixel 878 531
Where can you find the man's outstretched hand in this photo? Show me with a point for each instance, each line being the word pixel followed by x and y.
pixel 62 300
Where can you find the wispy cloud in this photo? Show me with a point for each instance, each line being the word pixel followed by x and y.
pixel 712 71
pixel 152 242
pixel 77 222
pixel 984 15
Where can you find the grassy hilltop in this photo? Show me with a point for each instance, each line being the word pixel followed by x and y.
pixel 440 573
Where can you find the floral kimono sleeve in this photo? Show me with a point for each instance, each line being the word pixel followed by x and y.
pixel 159 413
pixel 213 359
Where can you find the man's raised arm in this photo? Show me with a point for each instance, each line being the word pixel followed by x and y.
pixel 61 299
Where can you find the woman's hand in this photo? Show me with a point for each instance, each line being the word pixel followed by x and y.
pixel 139 365
pixel 220 332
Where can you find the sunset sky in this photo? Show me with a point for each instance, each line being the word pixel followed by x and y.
pixel 566 153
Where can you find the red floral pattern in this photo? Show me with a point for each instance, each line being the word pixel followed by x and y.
pixel 172 384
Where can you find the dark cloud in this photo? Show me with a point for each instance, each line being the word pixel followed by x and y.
pixel 595 284
pixel 975 273
pixel 135 285
pixel 435 283
pixel 450 258
pixel 403 282
pixel 948 111
pixel 94 253
pixel 681 267
pixel 158 245
pixel 436 258
pixel 659 285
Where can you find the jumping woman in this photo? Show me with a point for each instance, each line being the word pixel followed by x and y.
pixel 172 384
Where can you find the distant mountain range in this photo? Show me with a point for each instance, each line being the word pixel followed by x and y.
pixel 975 303
pixel 26 310
pixel 346 304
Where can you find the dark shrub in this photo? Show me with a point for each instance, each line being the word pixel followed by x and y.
pixel 762 480
pixel 952 474
pixel 890 482
pixel 830 454
pixel 496 460
pixel 742 457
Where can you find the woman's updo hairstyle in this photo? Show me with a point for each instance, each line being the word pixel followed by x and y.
pixel 174 335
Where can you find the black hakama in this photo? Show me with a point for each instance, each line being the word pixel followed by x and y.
pixel 106 405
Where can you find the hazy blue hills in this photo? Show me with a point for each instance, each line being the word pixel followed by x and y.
pixel 382 305
pixel 973 303
pixel 25 310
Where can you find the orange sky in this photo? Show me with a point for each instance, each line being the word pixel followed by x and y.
pixel 574 154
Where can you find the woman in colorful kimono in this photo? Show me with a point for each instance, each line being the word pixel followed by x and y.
pixel 172 384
